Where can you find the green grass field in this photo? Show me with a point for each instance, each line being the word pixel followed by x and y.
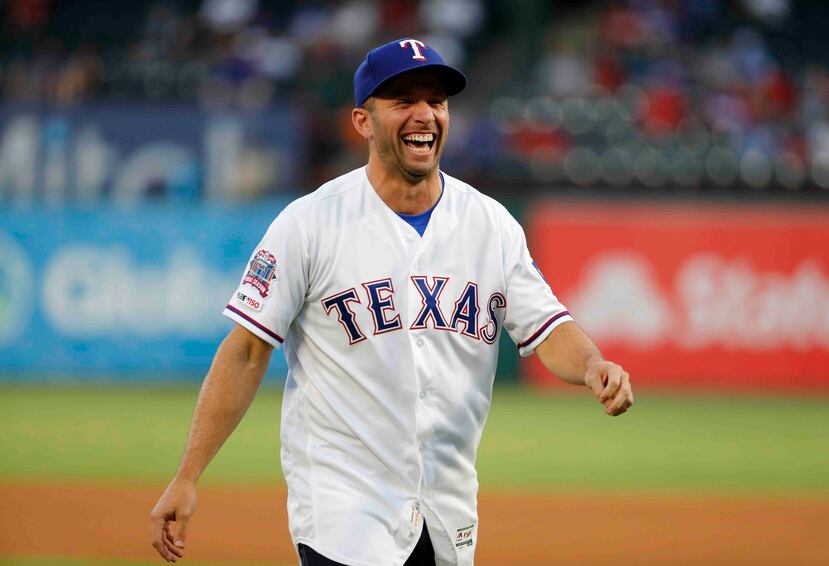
pixel 531 442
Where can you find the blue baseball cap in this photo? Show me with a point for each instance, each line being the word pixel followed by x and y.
pixel 397 57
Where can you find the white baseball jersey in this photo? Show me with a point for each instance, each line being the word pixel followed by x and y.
pixel 392 342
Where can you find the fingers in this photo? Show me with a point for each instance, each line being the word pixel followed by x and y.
pixel 611 385
pixel 158 537
pixel 167 535
pixel 170 541
pixel 181 531
pixel 613 380
pixel 623 398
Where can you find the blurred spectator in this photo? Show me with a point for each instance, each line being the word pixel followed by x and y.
pixel 27 16
pixel 227 16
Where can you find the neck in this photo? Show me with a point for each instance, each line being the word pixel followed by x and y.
pixel 403 195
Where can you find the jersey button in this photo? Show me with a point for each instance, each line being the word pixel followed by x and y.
pixel 422 394
pixel 419 342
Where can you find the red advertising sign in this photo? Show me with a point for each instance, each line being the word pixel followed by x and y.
pixel 709 295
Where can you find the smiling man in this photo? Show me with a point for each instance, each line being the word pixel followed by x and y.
pixel 389 288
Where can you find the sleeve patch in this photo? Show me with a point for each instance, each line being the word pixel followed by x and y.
pixel 261 271
pixel 248 301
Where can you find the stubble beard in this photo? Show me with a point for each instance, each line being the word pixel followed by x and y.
pixel 389 152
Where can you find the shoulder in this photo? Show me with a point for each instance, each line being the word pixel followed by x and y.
pixel 319 208
pixel 327 196
pixel 473 201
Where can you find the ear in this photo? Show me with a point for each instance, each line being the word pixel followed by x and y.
pixel 362 122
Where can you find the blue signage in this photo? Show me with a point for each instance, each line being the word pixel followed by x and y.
pixel 122 293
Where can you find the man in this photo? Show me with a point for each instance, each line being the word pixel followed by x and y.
pixel 388 287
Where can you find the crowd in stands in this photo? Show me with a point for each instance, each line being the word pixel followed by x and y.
pixel 653 95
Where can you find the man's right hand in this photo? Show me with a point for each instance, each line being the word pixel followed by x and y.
pixel 169 518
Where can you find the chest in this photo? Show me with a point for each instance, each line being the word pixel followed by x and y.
pixel 379 276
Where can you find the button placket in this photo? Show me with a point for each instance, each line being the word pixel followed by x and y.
pixel 418 339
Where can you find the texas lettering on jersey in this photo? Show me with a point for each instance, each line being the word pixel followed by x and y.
pixel 466 316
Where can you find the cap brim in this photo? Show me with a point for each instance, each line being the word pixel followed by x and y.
pixel 453 80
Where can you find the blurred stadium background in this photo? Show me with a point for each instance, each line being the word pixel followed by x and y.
pixel 669 160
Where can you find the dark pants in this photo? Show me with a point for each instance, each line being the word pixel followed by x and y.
pixel 422 555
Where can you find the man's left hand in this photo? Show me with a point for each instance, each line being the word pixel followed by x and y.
pixel 611 384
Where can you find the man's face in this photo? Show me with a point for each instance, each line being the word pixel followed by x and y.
pixel 410 121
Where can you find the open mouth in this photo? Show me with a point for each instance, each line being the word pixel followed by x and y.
pixel 419 143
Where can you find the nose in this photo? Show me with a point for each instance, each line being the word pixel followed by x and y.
pixel 423 113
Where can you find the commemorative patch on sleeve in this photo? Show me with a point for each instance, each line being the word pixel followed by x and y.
pixel 261 271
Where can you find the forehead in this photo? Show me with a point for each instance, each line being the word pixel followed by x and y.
pixel 419 81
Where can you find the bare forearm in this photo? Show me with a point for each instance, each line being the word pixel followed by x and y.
pixel 568 352
pixel 225 396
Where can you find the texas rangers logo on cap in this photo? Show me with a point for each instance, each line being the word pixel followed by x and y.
pixel 261 271
pixel 416 46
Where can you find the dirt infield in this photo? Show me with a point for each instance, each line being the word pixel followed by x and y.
pixel 249 524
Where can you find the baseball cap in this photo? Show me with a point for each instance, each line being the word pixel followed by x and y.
pixel 397 57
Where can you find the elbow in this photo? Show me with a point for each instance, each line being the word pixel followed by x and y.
pixel 246 351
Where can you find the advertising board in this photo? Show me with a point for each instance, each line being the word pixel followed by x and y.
pixel 128 154
pixel 700 295
pixel 139 292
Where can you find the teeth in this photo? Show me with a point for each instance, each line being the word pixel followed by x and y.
pixel 419 137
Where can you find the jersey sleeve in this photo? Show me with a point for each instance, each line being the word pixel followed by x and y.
pixel 533 311
pixel 274 283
